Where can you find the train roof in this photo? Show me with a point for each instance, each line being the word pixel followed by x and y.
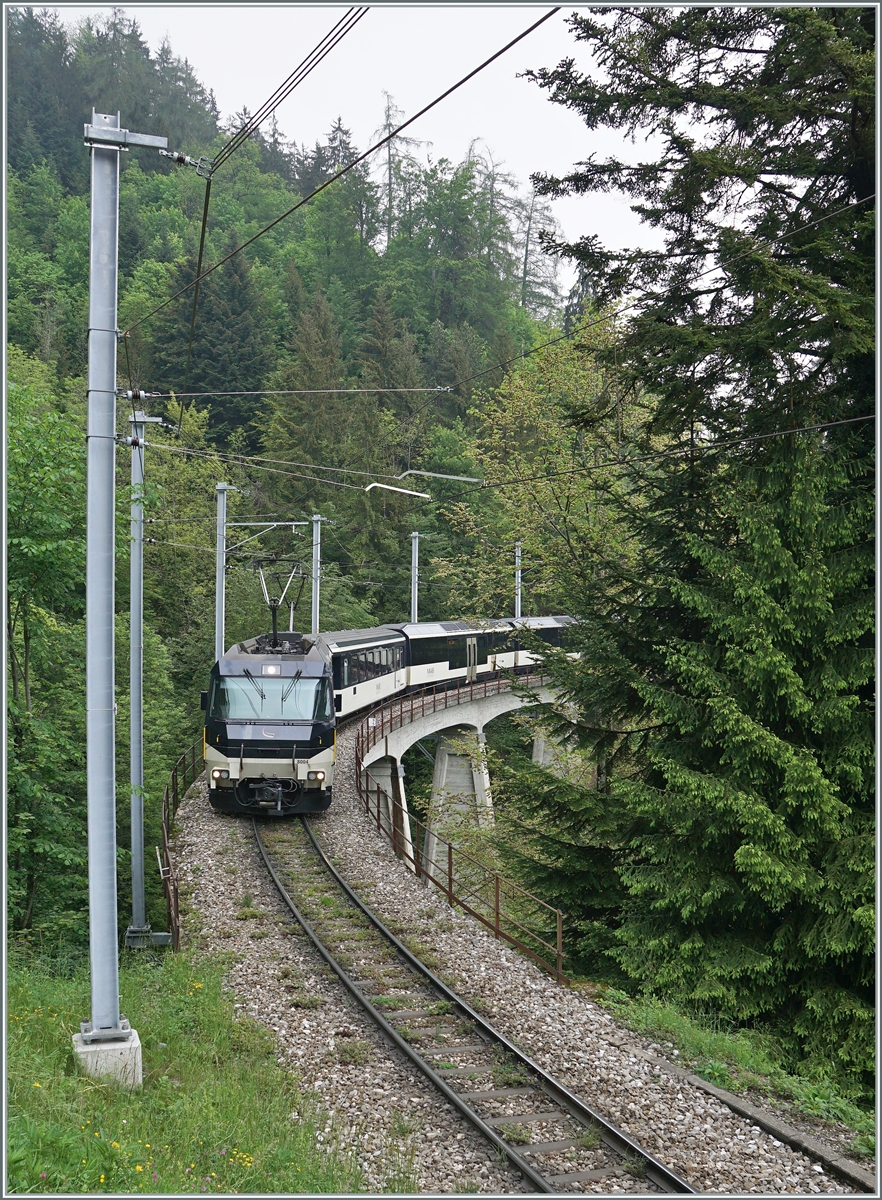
pixel 346 639
pixel 297 650
pixel 541 622
pixel 342 639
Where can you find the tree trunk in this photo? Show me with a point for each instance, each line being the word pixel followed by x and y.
pixel 527 253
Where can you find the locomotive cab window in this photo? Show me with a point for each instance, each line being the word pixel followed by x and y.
pixel 250 698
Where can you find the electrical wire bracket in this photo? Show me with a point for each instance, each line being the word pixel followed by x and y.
pixel 204 166
pixel 101 135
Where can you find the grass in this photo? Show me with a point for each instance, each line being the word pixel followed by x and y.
pixel 738 1059
pixel 213 1114
pixel 389 1002
pixel 508 1074
pixel 518 1135
pixel 589 1138
pixel 299 1000
pixel 636 1166
pixel 353 1052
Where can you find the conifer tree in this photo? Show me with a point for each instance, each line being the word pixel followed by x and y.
pixel 230 345
pixel 724 680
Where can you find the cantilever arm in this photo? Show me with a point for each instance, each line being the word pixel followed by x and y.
pixel 438 475
pixel 407 491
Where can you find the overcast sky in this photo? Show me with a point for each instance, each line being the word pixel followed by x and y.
pixel 414 52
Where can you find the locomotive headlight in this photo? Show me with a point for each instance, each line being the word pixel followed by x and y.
pixel 319 775
pixel 270 669
pixel 217 773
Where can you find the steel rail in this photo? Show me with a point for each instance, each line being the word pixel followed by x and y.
pixel 392 1034
pixel 614 1137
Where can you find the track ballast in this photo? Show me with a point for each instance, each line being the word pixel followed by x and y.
pixel 551 1136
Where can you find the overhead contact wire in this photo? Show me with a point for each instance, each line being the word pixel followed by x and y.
pixel 349 20
pixel 344 170
pixel 195 293
pixel 281 93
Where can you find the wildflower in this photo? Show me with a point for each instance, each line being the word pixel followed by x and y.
pixel 101 1180
pixel 115 1145
pixel 43 1175
pixel 155 1176
pixel 146 1145
pixel 37 1084
pixel 83 1161
pixel 139 1167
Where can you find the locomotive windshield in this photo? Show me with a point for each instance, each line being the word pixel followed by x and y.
pixel 250 697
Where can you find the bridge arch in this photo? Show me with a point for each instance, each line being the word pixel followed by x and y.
pixel 461 783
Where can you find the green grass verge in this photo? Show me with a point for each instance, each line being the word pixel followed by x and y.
pixel 737 1059
pixel 216 1113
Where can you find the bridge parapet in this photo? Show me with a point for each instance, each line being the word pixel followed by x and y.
pixel 393 728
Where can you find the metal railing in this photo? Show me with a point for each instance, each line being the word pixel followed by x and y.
pixel 405 709
pixel 183 773
pixel 512 913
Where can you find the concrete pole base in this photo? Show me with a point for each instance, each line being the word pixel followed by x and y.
pixel 119 1060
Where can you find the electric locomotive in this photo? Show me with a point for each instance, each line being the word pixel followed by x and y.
pixel 270 727
pixel 274 699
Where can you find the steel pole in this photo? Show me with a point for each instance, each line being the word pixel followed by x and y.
pixel 136 685
pixel 100 494
pixel 219 569
pixel 139 933
pixel 414 575
pixel 316 568
pixel 517 611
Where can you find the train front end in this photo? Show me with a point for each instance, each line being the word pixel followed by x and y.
pixel 270 727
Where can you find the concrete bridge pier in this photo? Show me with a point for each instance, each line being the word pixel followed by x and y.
pixel 562 762
pixel 460 791
pixel 388 775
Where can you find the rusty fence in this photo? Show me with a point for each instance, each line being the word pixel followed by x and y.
pixel 184 772
pixel 511 912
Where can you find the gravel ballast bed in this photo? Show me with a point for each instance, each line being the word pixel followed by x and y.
pixel 403 1136
pixel 401 1133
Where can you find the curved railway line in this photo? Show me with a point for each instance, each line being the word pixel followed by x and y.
pixel 517 1106
pixel 537 1125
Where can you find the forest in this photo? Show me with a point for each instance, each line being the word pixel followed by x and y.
pixel 681 445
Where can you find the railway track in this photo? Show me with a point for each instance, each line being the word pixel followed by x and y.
pixel 552 1137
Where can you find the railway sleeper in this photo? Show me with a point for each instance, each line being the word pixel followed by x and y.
pixel 410 1004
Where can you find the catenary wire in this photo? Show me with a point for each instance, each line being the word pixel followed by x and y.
pixel 178 545
pixel 256 466
pixel 303 392
pixel 348 22
pixel 343 171
pixel 226 151
pixel 243 460
pixel 237 460
pixel 195 294
pixel 641 458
